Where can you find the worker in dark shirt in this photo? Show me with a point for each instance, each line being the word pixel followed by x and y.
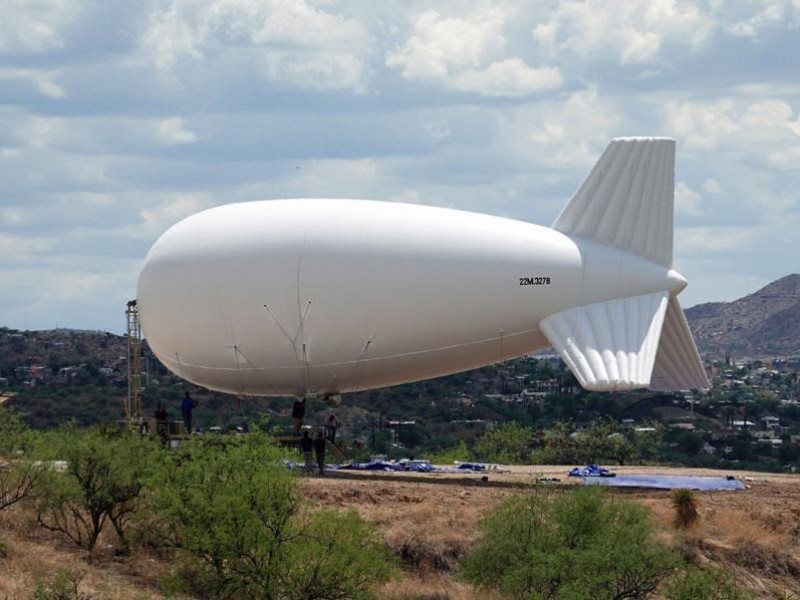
pixel 319 450
pixel 187 406
pixel 330 428
pixel 161 416
pixel 298 412
pixel 306 446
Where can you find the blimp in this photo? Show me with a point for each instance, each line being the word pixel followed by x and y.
pixel 319 297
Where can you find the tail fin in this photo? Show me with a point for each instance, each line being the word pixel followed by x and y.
pixel 678 365
pixel 630 342
pixel 627 199
pixel 609 345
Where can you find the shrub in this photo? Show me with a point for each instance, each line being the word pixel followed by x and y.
pixel 101 482
pixel 19 474
pixel 459 453
pixel 233 510
pixel 576 544
pixel 64 586
pixel 684 502
pixel 708 584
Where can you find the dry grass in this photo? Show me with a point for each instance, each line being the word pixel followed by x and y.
pixel 431 586
pixel 428 527
pixel 33 556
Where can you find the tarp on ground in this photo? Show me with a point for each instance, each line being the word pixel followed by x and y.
pixel 668 482
pixel 591 471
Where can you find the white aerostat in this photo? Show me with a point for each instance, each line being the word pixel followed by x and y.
pixel 322 296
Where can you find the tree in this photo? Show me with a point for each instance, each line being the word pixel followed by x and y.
pixel 232 509
pixel 577 544
pixel 506 444
pixel 101 482
pixel 19 473
pixel 602 440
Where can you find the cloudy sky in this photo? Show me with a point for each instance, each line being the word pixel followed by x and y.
pixel 117 119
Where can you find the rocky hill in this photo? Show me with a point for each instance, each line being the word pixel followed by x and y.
pixel 765 323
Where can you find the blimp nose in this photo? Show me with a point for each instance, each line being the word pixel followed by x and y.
pixel 677 282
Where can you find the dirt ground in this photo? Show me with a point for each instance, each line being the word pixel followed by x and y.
pixel 430 521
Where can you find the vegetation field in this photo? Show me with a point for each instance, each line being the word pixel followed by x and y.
pixel 102 514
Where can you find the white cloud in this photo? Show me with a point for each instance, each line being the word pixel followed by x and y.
pixel 510 77
pixel 572 134
pixel 172 131
pixel 765 129
pixel 787 159
pixel 702 125
pixel 773 13
pixel 18 246
pixel 440 45
pixel 295 43
pixel 466 54
pixel 35 27
pixel 687 200
pixel 41 80
pixel 713 239
pixel 628 31
pixel 167 213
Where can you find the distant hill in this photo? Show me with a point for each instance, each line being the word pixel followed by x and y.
pixel 765 323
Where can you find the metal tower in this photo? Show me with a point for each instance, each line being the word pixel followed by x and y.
pixel 133 402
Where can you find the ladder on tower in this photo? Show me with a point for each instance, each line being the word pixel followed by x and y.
pixel 133 401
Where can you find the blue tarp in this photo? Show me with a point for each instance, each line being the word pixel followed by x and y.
pixel 591 471
pixel 418 466
pixel 668 482
pixel 471 467
pixel 374 465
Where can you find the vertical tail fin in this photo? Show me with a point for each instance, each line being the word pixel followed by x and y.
pixel 627 199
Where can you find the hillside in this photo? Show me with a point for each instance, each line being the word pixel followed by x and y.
pixel 764 323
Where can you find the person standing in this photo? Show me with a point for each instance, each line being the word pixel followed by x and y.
pixel 330 428
pixel 298 412
pixel 187 406
pixel 161 423
pixel 306 445
pixel 319 450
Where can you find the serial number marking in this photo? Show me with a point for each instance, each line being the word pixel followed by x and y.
pixel 534 280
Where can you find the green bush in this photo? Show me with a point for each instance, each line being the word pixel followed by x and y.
pixel 576 544
pixel 233 511
pixel 101 481
pixel 459 453
pixel 20 474
pixel 562 445
pixel 707 584
pixel 64 586
pixel 506 444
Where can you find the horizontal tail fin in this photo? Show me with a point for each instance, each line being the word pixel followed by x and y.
pixel 610 345
pixel 678 364
pixel 627 199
